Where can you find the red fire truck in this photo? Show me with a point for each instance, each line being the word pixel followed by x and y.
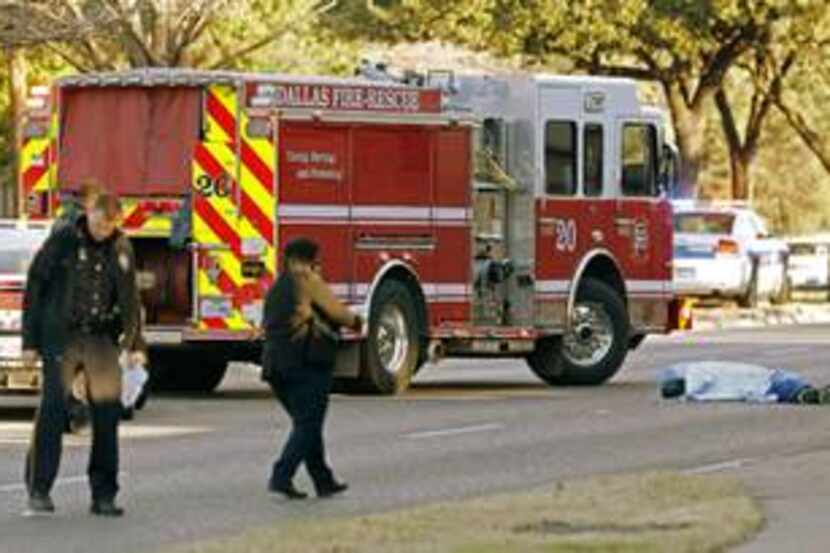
pixel 513 216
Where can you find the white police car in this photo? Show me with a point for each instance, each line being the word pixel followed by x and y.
pixel 809 267
pixel 19 242
pixel 725 251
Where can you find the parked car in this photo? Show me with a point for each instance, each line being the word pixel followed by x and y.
pixel 726 251
pixel 809 266
pixel 19 241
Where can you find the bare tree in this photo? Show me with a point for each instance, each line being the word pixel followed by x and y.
pixel 111 34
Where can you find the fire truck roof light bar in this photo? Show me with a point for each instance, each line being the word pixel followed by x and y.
pixel 175 76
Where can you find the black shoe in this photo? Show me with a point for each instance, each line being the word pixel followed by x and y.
pixel 106 508
pixel 332 489
pixel 809 396
pixel 288 491
pixel 39 506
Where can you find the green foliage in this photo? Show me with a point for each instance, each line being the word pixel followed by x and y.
pixel 689 49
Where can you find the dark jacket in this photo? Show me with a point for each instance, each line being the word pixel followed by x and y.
pixel 289 308
pixel 51 280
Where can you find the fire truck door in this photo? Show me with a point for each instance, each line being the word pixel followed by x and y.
pixel 233 214
pixel 637 218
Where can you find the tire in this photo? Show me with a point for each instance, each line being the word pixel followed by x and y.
pixel 784 293
pixel 203 375
pixel 750 299
pixel 392 347
pixel 636 341
pixel 556 359
pixel 186 371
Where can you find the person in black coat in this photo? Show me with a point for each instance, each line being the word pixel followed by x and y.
pixel 300 311
pixel 80 309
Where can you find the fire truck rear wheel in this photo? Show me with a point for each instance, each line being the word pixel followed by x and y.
pixel 201 376
pixel 392 345
pixel 186 371
pixel 595 348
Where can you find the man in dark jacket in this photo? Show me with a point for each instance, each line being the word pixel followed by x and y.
pixel 300 381
pixel 77 413
pixel 80 307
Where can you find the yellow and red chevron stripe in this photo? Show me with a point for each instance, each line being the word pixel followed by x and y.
pixel 37 166
pixel 214 229
pixel 227 217
pixel 257 163
pixel 149 218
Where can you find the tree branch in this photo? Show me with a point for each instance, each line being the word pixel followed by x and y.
pixel 264 41
pixel 715 70
pixel 809 136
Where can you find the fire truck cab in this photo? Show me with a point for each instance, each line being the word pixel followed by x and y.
pixel 569 196
pixel 516 216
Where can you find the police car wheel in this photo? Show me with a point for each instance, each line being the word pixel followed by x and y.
pixel 596 345
pixel 783 295
pixel 391 352
pixel 751 297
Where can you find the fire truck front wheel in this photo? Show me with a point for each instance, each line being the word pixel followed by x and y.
pixel 392 345
pixel 595 347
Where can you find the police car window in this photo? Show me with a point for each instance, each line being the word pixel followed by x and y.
pixel 805 249
pixel 639 160
pixel 592 163
pixel 17 254
pixel 560 158
pixel 704 223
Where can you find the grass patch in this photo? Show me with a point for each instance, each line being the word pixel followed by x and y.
pixel 642 513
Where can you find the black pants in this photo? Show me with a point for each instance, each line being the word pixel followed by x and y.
pixel 97 356
pixel 305 397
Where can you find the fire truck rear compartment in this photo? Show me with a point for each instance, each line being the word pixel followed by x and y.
pixel 139 141
pixel 164 279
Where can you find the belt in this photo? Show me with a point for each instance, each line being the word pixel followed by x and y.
pixel 91 329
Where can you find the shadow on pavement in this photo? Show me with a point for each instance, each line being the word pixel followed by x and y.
pixel 490 386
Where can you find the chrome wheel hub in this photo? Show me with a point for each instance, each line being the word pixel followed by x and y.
pixel 590 337
pixel 392 338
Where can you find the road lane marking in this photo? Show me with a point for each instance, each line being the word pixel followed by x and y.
pixel 8 488
pixel 718 467
pixel 19 433
pixel 454 431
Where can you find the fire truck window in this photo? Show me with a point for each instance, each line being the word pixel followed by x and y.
pixel 639 160
pixel 592 164
pixel 560 158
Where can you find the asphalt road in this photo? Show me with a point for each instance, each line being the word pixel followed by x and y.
pixel 196 468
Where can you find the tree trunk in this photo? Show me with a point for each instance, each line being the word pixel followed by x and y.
pixel 690 130
pixel 18 78
pixel 739 164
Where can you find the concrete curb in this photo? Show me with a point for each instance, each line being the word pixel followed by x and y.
pixel 761 317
